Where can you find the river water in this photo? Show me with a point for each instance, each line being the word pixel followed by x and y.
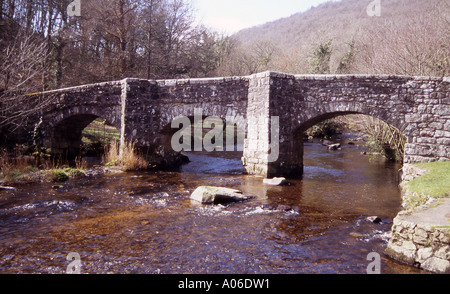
pixel 144 222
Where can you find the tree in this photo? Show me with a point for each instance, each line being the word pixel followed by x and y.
pixel 23 69
pixel 256 57
pixel 411 46
pixel 347 60
pixel 320 62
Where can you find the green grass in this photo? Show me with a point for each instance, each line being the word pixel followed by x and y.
pixel 99 131
pixel 435 183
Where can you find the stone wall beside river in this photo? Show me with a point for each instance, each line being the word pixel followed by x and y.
pixel 421 236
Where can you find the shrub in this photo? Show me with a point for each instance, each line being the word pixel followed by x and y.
pixel 126 157
pixel 59 175
pixel 325 129
pixel 75 173
pixel 385 139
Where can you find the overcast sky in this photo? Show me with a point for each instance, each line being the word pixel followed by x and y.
pixel 230 16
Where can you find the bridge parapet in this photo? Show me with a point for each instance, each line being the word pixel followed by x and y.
pixel 144 109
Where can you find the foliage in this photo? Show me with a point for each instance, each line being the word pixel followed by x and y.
pixel 75 172
pixel 384 139
pixel 346 62
pixel 325 129
pixel 410 38
pixel 43 48
pixel 435 182
pixel 59 175
pixel 320 62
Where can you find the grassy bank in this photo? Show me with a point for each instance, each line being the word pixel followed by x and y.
pixel 16 169
pixel 435 183
pixel 34 175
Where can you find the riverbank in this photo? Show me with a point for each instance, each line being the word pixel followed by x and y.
pixel 32 175
pixel 421 232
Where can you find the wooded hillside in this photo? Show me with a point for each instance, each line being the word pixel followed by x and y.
pixel 410 37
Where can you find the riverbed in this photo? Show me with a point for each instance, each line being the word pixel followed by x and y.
pixel 145 222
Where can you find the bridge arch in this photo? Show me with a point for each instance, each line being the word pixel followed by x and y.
pixel 66 134
pixel 299 132
pixel 416 106
pixel 73 109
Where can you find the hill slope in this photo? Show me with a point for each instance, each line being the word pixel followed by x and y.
pixel 419 28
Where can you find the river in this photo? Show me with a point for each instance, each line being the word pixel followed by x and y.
pixel 144 222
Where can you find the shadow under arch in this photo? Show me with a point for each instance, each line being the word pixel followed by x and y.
pixel 66 139
pixel 299 133
pixel 195 128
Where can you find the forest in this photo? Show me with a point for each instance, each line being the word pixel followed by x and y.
pixel 44 47
pixel 410 37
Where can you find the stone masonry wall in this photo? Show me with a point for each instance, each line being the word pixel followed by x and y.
pixel 72 109
pixel 421 245
pixel 417 106
pixel 143 110
pixel 421 235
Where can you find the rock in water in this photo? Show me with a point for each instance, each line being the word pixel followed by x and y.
pixel 275 181
pixel 375 219
pixel 7 188
pixel 334 147
pixel 216 195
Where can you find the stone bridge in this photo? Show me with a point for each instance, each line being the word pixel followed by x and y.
pixel 143 111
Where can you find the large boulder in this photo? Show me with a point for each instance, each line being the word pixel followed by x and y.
pixel 216 195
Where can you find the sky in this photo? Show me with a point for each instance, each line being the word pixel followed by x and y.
pixel 230 16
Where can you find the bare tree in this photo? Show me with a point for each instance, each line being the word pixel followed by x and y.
pixel 412 46
pixel 246 60
pixel 23 68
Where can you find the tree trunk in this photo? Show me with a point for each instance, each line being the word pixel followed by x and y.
pixel 12 8
pixel 1 9
pixel 122 41
pixel 149 39
pixel 29 15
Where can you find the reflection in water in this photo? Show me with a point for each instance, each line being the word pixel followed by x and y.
pixel 145 223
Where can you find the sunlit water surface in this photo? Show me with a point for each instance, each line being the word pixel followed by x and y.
pixel 145 222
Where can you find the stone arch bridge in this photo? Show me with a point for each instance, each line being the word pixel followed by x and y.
pixel 143 109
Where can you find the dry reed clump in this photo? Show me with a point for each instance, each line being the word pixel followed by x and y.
pixel 385 139
pixel 126 157
pixel 15 167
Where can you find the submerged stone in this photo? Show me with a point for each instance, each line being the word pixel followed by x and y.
pixel 275 181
